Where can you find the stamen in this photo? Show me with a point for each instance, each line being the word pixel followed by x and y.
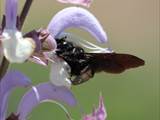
pixel 86 44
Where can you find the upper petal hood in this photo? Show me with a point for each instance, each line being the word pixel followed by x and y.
pixel 76 17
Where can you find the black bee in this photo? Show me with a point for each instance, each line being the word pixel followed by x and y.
pixel 84 65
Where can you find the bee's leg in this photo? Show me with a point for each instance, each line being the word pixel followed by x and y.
pixel 85 75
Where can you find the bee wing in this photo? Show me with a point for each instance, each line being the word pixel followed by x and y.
pixel 114 62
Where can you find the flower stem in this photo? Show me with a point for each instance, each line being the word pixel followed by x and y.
pixel 5 63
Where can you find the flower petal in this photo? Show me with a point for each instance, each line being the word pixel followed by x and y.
pixel 59 74
pixel 42 93
pixel 11 80
pixel 16 48
pixel 76 17
pixel 35 36
pixel 11 13
pixel 77 2
pixel 39 60
pixel 48 42
pixel 99 113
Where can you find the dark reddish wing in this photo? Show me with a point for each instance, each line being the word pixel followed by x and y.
pixel 114 62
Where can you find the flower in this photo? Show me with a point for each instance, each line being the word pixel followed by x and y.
pixel 79 18
pixel 77 2
pixel 10 81
pixel 44 92
pixel 40 47
pixel 99 113
pixel 15 48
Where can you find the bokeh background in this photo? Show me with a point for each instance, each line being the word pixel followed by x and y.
pixel 132 27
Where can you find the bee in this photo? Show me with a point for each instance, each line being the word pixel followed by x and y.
pixel 84 64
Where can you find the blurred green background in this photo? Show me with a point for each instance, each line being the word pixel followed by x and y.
pixel 132 27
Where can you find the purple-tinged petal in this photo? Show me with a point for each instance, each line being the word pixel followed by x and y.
pixel 35 36
pixel 76 17
pixel 99 113
pixel 11 13
pixel 38 60
pixel 48 42
pixel 42 93
pixel 11 80
pixel 77 2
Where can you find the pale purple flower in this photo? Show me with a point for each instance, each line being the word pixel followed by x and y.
pixel 10 81
pixel 77 2
pixel 70 17
pixel 99 113
pixel 45 43
pixel 79 18
pixel 44 92
pixel 15 48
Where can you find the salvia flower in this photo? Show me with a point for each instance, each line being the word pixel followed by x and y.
pixel 44 92
pixel 10 81
pixel 15 47
pixel 99 113
pixel 79 18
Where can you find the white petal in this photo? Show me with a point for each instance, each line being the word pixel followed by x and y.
pixel 16 48
pixel 59 74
